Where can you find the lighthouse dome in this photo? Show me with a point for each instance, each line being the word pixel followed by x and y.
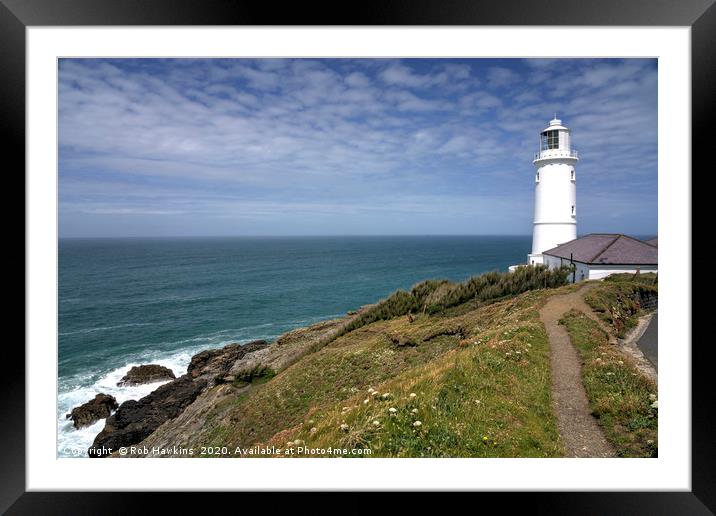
pixel 555 125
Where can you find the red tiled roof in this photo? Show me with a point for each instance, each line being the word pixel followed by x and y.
pixel 607 249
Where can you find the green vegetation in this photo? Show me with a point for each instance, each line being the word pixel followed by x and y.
pixel 618 299
pixel 434 296
pixel 490 398
pixel 621 397
pixel 481 379
pixel 648 278
pixel 469 377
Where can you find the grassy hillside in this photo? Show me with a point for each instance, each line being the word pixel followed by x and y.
pixel 479 371
pixel 620 396
pixel 469 377
pixel 484 395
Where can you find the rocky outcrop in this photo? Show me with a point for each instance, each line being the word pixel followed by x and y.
pixel 148 373
pixel 98 408
pixel 253 363
pixel 213 364
pixel 176 411
pixel 136 420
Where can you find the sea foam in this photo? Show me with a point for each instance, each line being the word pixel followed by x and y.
pixel 74 443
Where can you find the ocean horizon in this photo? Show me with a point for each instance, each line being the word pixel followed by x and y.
pixel 133 300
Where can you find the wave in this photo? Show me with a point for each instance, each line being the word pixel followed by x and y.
pixel 74 443
pixel 80 388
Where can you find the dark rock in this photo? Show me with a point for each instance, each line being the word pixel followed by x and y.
pixel 148 373
pixel 134 421
pixel 214 363
pixel 98 408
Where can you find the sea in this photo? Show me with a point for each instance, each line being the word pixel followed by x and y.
pixel 131 301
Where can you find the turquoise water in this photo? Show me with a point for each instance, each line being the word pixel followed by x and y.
pixel 132 301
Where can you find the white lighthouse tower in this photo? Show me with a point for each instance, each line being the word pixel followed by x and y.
pixel 555 220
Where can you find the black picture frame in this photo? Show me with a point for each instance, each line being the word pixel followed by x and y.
pixel 17 15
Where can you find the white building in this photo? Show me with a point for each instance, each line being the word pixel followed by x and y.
pixel 555 215
pixel 554 236
pixel 597 255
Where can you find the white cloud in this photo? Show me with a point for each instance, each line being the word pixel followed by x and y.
pixel 279 134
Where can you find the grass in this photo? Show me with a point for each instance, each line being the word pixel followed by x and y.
pixel 617 299
pixel 485 393
pixel 619 395
pixel 479 372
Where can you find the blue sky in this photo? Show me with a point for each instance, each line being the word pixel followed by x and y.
pixel 179 147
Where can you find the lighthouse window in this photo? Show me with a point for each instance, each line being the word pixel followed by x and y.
pixel 572 174
pixel 537 179
pixel 550 140
pixel 572 209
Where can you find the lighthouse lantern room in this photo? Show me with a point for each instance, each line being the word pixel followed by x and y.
pixel 555 215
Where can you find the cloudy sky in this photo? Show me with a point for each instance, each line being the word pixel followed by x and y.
pixel 169 147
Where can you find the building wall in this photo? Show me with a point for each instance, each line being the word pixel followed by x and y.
pixel 602 271
pixel 585 271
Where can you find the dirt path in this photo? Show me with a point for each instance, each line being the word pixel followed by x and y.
pixel 579 430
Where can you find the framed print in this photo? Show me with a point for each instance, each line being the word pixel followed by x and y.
pixel 426 237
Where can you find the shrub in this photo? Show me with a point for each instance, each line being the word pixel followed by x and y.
pixel 434 296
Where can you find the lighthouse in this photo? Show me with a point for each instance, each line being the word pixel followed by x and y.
pixel 555 215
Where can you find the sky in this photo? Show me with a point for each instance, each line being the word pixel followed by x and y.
pixel 218 147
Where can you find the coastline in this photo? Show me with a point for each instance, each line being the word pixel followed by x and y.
pixel 481 344
pixel 75 442
pixel 232 368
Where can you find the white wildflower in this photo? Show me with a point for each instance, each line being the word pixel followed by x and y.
pixel 417 423
pixel 413 395
pixel 376 422
pixel 344 427
pixel 655 405
pixel 392 411
pixel 414 411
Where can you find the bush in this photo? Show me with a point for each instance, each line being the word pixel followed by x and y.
pixel 434 296
pixel 494 285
